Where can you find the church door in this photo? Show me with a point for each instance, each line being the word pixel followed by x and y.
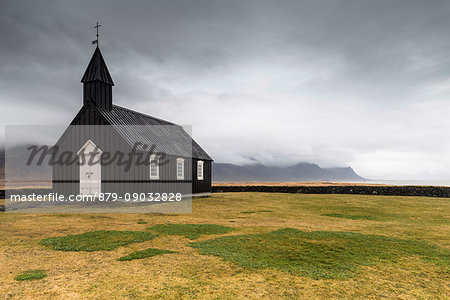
pixel 90 169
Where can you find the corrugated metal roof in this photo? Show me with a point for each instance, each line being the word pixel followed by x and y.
pixel 167 137
pixel 97 69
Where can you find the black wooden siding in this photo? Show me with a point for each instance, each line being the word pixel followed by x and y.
pixel 114 178
pixel 123 130
pixel 201 186
pixel 99 93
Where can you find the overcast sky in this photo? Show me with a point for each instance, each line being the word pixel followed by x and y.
pixel 339 83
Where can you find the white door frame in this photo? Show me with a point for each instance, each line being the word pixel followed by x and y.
pixel 90 175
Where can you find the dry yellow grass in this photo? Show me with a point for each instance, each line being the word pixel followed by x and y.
pixel 25 184
pixel 186 274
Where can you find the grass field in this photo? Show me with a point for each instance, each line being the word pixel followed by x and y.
pixel 267 246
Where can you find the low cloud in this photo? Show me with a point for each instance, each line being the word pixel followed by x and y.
pixel 339 83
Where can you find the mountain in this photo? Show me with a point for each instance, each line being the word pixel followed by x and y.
pixel 17 168
pixel 2 164
pixel 299 172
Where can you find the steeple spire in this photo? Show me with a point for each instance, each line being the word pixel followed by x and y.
pixel 97 82
pixel 97 69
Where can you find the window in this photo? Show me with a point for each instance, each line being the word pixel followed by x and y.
pixel 154 167
pixel 180 168
pixel 200 170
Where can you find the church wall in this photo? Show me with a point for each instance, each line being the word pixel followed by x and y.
pixel 115 179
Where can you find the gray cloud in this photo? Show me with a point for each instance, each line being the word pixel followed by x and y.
pixel 361 83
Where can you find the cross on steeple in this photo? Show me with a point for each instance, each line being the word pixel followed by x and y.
pixel 97 82
pixel 96 27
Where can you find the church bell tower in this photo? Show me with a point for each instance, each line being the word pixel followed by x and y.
pixel 97 82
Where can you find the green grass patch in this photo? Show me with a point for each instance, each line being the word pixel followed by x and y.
pixel 31 275
pixel 318 254
pixel 190 231
pixel 144 253
pixel 142 222
pixel 97 240
pixel 353 217
pixel 255 211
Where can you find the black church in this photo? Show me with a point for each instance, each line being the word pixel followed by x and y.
pixel 101 129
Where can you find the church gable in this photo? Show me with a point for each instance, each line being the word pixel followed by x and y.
pixel 89 114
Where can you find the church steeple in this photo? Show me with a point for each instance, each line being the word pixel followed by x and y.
pixel 97 82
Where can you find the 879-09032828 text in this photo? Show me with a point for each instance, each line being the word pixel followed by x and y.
pixel 101 197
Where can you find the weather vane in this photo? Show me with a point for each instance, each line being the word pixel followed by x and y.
pixel 96 27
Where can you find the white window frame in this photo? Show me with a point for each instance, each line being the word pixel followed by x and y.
pixel 200 166
pixel 180 160
pixel 154 158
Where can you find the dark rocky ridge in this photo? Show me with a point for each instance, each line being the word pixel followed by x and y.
pixel 418 191
pixel 300 172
